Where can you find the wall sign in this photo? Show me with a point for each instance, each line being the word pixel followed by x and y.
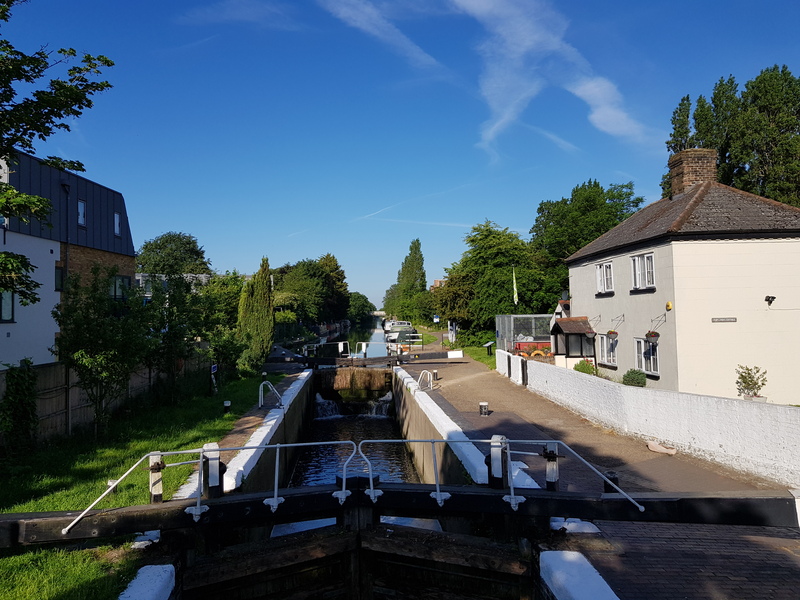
pixel 723 319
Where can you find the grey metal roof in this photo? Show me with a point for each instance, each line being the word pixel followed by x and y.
pixel 707 211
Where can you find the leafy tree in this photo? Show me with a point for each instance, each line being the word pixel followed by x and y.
pixel 361 308
pixel 219 308
pixel 102 339
pixel 411 281
pixel 173 252
pixel 256 324
pixel 303 290
pixel 564 226
pixel 756 133
pixel 19 418
pixel 27 114
pixel 336 296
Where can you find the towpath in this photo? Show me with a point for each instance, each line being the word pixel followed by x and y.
pixel 640 561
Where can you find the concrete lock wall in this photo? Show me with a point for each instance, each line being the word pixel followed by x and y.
pixel 749 436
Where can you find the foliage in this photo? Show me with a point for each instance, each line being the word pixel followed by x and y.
pixel 474 337
pixel 360 309
pixel 172 252
pixel 563 227
pixel 314 290
pixel 219 313
pixel 750 380
pixel 584 366
pixel 102 339
pixel 19 418
pixel 756 133
pixel 404 299
pixel 256 324
pixel 336 299
pixel 635 377
pixel 37 114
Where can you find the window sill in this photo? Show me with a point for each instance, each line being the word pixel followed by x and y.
pixel 609 366
pixel 638 291
pixel 604 294
pixel 653 376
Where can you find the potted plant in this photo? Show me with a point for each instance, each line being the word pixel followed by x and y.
pixel 749 382
pixel 612 335
pixel 652 336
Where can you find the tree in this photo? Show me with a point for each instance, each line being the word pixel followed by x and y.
pixel 256 324
pixel 173 252
pixel 219 310
pixel 564 226
pixel 37 114
pixel 336 295
pixel 411 281
pixel 361 308
pixel 756 133
pixel 102 339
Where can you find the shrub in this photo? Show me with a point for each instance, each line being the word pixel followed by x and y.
pixel 750 380
pixel 635 377
pixel 585 366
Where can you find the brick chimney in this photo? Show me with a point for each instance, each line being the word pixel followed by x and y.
pixel 695 165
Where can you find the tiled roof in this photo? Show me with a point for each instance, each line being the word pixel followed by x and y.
pixel 572 325
pixel 706 210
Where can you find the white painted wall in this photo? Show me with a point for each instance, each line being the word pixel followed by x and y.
pixel 730 279
pixel 32 333
pixel 748 436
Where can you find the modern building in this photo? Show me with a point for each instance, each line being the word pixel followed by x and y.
pixel 88 226
pixel 712 270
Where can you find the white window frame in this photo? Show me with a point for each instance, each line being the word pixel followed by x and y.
pixel 604 273
pixel 644 271
pixel 608 350
pixel 646 356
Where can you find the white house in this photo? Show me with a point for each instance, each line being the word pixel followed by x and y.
pixel 88 226
pixel 715 271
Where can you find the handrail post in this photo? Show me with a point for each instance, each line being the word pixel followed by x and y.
pixel 156 481
pixel 437 495
pixel 212 482
pixel 275 500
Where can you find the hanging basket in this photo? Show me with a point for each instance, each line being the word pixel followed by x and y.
pixel 652 336
pixel 612 335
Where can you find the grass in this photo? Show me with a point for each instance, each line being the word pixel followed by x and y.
pixel 479 353
pixel 69 474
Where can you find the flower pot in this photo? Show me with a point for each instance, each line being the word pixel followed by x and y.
pixel 612 335
pixel 652 336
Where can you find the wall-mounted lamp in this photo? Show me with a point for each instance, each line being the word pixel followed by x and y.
pixel 769 300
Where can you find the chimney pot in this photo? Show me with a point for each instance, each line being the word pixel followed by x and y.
pixel 688 167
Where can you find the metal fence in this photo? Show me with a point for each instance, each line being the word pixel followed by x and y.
pixel 523 333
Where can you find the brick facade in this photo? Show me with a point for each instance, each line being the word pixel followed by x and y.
pixel 688 167
pixel 82 259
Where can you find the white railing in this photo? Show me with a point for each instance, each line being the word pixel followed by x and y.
pixel 499 445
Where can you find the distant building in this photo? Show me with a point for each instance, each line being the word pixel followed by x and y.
pixel 88 225
pixel 713 270
pixel 438 283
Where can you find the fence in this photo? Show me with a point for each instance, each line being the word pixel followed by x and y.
pixel 522 333
pixel 63 405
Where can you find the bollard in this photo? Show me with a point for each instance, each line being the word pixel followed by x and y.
pixel 226 406
pixel 483 409
pixel 435 375
pixel 550 453
pixel 614 478
pixel 156 485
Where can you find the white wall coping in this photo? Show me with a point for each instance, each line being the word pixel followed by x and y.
pixel 153 582
pixel 571 577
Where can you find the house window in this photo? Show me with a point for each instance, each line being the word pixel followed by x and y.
pixel 608 350
pixel 59 279
pixel 82 213
pixel 644 274
pixel 117 226
pixel 118 287
pixel 646 356
pixel 579 345
pixel 605 278
pixel 6 307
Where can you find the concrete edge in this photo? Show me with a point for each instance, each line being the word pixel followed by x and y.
pixel 153 582
pixel 570 576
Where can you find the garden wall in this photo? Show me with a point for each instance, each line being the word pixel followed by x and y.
pixel 749 436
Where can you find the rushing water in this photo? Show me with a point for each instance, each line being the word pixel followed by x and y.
pixel 319 465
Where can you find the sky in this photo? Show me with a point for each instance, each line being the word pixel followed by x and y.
pixel 290 129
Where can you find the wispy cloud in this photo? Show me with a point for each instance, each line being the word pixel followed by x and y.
pixel 557 140
pixel 434 223
pixel 265 13
pixel 366 16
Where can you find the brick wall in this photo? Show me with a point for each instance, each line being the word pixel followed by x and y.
pixel 82 259
pixel 695 165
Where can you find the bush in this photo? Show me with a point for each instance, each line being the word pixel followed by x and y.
pixel 750 380
pixel 635 377
pixel 474 337
pixel 585 366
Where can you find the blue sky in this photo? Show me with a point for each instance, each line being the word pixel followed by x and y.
pixel 294 128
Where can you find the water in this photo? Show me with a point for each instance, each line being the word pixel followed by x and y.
pixel 320 465
pixel 376 343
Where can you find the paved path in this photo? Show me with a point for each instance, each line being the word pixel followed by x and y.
pixel 640 561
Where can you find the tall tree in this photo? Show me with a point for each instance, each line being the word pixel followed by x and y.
pixel 27 114
pixel 402 298
pixel 173 252
pixel 219 309
pixel 337 296
pixel 256 323
pixel 564 226
pixel 756 133
pixel 360 309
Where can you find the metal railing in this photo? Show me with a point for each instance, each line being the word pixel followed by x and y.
pixel 499 446
pixel 272 390
pixel 425 375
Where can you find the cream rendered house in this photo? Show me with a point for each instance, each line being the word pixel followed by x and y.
pixel 713 270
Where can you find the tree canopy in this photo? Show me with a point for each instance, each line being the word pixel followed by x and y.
pixel 32 109
pixel 256 324
pixel 172 252
pixel 756 133
pixel 407 298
